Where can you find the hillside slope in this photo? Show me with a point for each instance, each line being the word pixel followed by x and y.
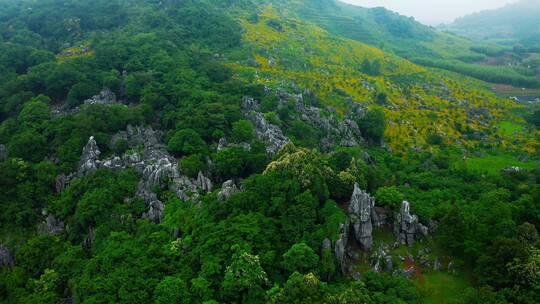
pixel 419 102
pixel 202 151
pixel 516 22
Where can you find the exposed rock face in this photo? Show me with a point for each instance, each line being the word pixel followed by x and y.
pixel 269 133
pixel 223 143
pixel 344 133
pixel 3 153
pixel 360 211
pixel 379 216
pixel 406 227
pixel 156 166
pixel 51 226
pixel 228 189
pixel 89 159
pixel 388 264
pixel 381 257
pixel 106 96
pixel 326 244
pixel 6 260
pixel 204 182
pixel 437 264
pixel 340 248
pixel 61 182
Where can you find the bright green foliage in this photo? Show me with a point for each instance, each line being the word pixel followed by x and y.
pixel 171 290
pixel 327 266
pixel 301 289
pixel 28 145
pixel 300 258
pixel 244 278
pixel 373 125
pixel 389 196
pixel 129 266
pixel 186 142
pixel 192 165
pixel 242 131
pixel 182 67
pixel 35 113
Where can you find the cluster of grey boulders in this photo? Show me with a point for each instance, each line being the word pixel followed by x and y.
pixel 407 228
pixel 228 189
pixel 271 134
pixel 151 159
pixel 363 216
pixel 106 96
pixel 344 132
pixel 6 260
pixel 361 211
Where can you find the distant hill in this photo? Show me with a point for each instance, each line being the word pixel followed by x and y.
pixel 517 22
pixel 407 38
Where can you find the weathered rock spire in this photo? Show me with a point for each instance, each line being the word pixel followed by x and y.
pixel 360 210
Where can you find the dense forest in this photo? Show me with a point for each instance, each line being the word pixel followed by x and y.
pixel 183 151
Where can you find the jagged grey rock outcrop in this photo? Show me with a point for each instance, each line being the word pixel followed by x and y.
pixel 89 159
pixel 326 244
pixel 204 182
pixel 224 143
pixel 360 210
pixel 451 268
pixel 149 157
pixel 228 189
pixel 266 131
pixel 406 227
pixel 3 153
pixel 377 267
pixel 379 216
pixel 6 260
pixel 61 182
pixel 344 133
pixel 437 264
pixel 51 226
pixel 340 248
pixel 388 264
pixel 381 257
pixel 106 96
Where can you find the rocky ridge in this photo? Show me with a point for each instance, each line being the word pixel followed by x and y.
pixel 362 216
pixel 106 96
pixel 271 134
pixel 228 189
pixel 407 228
pixel 148 157
pixel 360 211
pixel 336 132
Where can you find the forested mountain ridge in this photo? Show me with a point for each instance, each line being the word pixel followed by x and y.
pixel 410 39
pixel 413 97
pixel 183 151
pixel 517 22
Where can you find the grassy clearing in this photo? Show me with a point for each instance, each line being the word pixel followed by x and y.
pixel 495 163
pixel 509 128
pixel 438 287
pixel 441 287
pixel 505 90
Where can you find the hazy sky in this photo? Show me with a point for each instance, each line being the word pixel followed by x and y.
pixel 433 12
